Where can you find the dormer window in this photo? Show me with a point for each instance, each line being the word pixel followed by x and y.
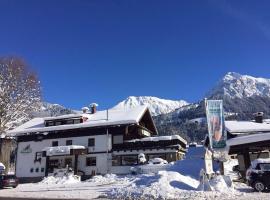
pixel 77 121
pixel 58 122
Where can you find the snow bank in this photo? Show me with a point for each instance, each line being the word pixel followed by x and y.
pixel 109 179
pixel 219 184
pixel 70 179
pixel 192 164
pixel 164 185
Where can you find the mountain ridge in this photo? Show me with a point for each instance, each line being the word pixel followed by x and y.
pixel 156 105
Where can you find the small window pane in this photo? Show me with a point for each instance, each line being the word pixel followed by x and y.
pixel 265 167
pixel 55 143
pixel 91 142
pixel 118 139
pixel 32 170
pixel 91 161
pixel 130 160
pixel 69 142
pixel 58 123
pixel 37 169
pixel 70 121
pixel 77 121
pixel 116 160
pixel 50 124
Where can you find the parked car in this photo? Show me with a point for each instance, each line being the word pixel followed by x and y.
pixel 8 181
pixel 258 174
pixel 157 161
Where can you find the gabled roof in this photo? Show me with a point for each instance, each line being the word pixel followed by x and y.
pixel 115 117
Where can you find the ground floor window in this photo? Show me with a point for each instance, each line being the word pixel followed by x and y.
pixel 116 160
pixel 130 160
pixel 91 161
pixel 68 161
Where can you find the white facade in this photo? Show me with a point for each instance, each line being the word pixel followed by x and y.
pixel 26 155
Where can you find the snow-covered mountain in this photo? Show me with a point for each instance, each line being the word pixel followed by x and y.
pixel 235 85
pixel 49 110
pixel 156 105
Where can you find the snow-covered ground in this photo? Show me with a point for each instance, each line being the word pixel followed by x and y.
pixel 179 181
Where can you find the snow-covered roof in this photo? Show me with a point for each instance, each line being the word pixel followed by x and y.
pixel 160 138
pixel 246 139
pixel 240 127
pixel 115 117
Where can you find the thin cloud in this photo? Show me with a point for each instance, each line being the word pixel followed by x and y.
pixel 241 15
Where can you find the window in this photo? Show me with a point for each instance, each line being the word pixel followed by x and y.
pixel 42 169
pixel 130 160
pixel 91 161
pixel 68 161
pixel 58 123
pixel 32 170
pixel 38 157
pixel 54 143
pixel 69 142
pixel 77 121
pixel 265 166
pixel 118 139
pixel 50 123
pixel 91 142
pixel 116 160
pixel 70 121
pixel 37 169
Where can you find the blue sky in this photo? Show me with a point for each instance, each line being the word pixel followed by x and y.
pixel 104 51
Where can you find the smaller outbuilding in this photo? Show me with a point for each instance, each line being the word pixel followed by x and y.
pixel 248 140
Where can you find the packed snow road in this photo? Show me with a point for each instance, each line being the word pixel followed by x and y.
pixel 178 181
pixel 156 186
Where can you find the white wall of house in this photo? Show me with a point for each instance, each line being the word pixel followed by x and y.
pixel 25 161
pixel 101 164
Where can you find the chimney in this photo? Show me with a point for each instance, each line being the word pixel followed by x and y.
pixel 258 117
pixel 93 107
pixel 85 109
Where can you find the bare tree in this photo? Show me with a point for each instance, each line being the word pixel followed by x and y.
pixel 20 92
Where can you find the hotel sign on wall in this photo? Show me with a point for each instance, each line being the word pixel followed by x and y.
pixel 57 151
pixel 26 149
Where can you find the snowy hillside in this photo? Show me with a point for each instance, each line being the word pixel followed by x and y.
pixel 235 85
pixel 156 105
pixel 48 110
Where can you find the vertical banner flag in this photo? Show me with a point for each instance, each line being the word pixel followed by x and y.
pixel 215 121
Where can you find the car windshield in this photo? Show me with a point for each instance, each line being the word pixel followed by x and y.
pixel 10 177
pixel 265 166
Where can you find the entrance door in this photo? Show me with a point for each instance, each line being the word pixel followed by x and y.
pixel 68 162
pixel 53 164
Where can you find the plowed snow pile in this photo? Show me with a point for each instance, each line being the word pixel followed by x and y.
pixel 70 179
pixel 110 179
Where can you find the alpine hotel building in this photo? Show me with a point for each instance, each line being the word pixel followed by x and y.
pixel 95 142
